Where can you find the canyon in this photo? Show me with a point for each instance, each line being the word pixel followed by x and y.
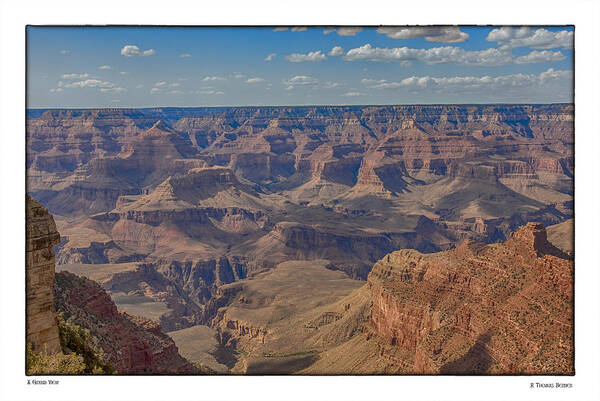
pixel 130 344
pixel 502 308
pixel 283 239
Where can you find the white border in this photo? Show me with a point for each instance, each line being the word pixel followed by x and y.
pixel 14 15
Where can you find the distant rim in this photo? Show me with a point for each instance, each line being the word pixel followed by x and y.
pixel 302 105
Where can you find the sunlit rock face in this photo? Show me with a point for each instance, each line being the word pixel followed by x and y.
pixel 42 326
pixel 501 308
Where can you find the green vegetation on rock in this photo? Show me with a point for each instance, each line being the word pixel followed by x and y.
pixel 44 364
pixel 75 339
pixel 80 354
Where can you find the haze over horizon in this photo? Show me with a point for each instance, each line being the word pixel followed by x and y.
pixel 163 106
pixel 146 67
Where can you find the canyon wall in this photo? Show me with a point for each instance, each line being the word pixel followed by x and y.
pixel 502 308
pixel 132 345
pixel 42 326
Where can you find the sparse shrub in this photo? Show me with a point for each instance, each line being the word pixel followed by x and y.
pixel 76 339
pixel 44 364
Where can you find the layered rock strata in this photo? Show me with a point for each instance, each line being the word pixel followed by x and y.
pixel 132 345
pixel 209 196
pixel 501 308
pixel 42 326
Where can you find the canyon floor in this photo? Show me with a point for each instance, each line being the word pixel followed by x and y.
pixel 251 234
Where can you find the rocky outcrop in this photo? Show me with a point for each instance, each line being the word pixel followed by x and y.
pixel 502 308
pixel 230 331
pixel 41 236
pixel 562 235
pixel 132 345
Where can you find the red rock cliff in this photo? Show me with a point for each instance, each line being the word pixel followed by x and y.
pixel 132 345
pixel 500 308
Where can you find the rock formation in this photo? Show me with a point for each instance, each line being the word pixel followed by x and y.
pixel 132 345
pixel 42 326
pixel 562 236
pixel 199 199
pixel 501 308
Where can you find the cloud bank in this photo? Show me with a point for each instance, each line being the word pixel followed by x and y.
pixel 435 55
pixel 444 34
pixel 511 38
pixel 471 84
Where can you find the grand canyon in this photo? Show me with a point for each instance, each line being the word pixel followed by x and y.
pixel 434 239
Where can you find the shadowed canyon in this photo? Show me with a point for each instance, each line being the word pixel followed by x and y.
pixel 314 240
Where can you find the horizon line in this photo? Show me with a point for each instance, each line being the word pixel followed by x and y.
pixel 299 105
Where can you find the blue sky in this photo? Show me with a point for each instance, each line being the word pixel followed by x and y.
pixel 145 67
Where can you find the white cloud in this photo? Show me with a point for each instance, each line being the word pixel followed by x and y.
pixel 353 94
pixel 104 86
pixel 124 73
pixel 56 90
pixel 298 29
pixel 435 55
pixel 174 85
pixel 133 50
pixel 270 57
pixel 117 89
pixel 537 56
pixel 470 84
pixel 213 78
pixel 330 85
pixel 344 31
pixel 209 92
pixel 299 80
pixel 552 75
pixel 511 38
pixel 160 83
pixel 254 80
pixel 239 75
pixel 311 56
pixel 175 92
pixel 90 83
pixel 154 90
pixel 336 51
pixel 445 34
pixel 75 76
pixel 105 67
pixel 65 51
pixel 280 29
pixel 185 55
